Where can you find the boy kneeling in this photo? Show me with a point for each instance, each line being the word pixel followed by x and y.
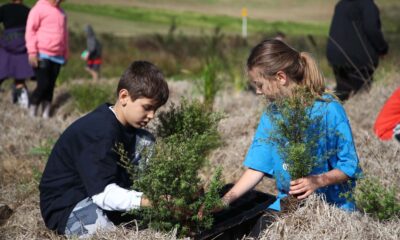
pixel 83 186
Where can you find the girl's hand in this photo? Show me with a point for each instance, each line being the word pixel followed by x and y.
pixel 33 61
pixel 303 187
pixel 225 204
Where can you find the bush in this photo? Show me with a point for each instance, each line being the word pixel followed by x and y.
pixel 87 97
pixel 171 179
pixel 190 120
pixel 375 199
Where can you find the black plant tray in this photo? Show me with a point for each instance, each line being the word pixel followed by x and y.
pixel 239 218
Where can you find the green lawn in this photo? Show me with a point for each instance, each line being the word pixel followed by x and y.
pixel 123 20
pixel 195 22
pixel 194 17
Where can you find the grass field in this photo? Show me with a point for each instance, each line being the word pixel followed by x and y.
pixel 130 18
pixel 263 15
pixel 196 17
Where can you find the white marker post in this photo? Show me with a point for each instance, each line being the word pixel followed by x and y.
pixel 244 22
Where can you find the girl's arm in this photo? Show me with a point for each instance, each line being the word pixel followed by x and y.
pixel 66 40
pixel 307 185
pixel 247 181
pixel 32 26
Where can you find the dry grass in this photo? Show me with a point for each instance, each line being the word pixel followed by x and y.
pixel 316 220
pixel 380 159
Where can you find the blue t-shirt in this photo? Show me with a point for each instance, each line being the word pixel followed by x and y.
pixel 335 150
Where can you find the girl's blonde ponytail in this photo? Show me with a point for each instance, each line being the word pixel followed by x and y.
pixel 271 56
pixel 312 76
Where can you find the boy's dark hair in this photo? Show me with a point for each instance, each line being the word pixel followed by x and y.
pixel 144 79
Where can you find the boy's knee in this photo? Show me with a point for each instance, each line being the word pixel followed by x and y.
pixel 86 219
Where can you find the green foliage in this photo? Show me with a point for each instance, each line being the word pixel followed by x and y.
pixel 170 179
pixel 373 198
pixel 211 200
pixel 237 75
pixel 210 83
pixel 191 120
pixel 300 162
pixel 296 133
pixel 87 97
pixel 43 151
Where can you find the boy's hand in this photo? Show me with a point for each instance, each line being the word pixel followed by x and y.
pixel 303 187
pixel 145 202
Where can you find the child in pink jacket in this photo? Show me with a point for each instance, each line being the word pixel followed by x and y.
pixel 46 39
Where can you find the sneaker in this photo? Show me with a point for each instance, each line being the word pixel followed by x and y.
pixel 15 94
pixel 46 109
pixel 23 98
pixel 33 110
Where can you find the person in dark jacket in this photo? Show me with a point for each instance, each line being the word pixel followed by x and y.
pixel 355 44
pixel 13 57
pixel 92 53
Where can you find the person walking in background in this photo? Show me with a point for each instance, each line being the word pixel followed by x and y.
pixel 387 124
pixel 47 43
pixel 92 54
pixel 355 44
pixel 13 58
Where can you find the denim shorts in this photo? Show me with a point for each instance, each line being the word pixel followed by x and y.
pixel 85 219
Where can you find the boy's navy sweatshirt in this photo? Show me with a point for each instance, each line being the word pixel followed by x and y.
pixel 82 163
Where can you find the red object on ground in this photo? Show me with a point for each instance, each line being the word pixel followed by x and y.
pixel 94 61
pixel 389 117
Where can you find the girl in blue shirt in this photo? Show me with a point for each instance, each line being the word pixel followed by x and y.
pixel 276 69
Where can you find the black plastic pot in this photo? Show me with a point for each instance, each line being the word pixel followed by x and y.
pixel 239 219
